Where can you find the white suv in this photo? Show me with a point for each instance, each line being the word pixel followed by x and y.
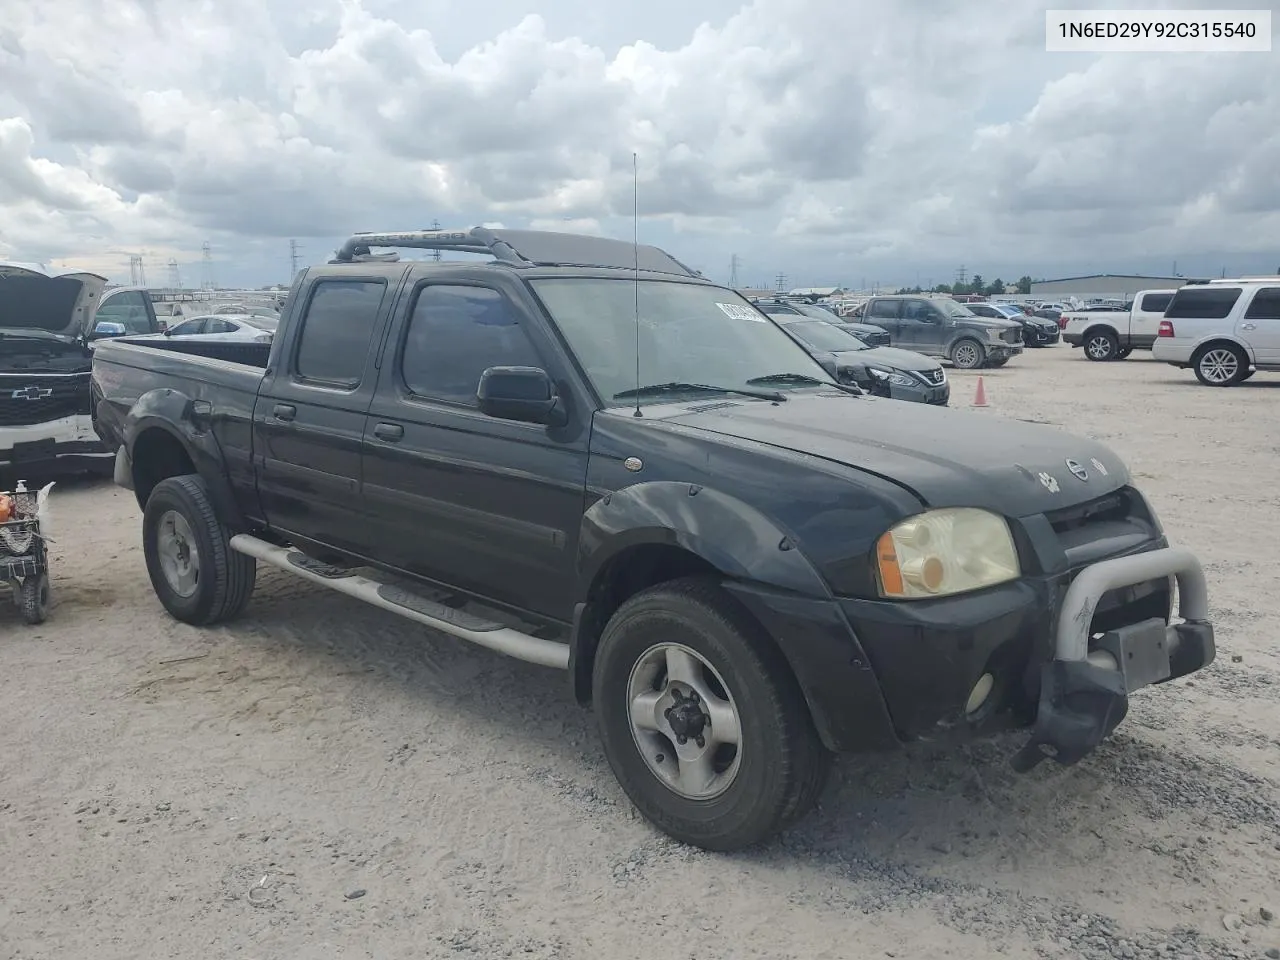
pixel 1224 330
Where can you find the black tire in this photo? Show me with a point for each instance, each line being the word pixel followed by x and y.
pixel 968 354
pixel 1101 345
pixel 996 364
pixel 33 599
pixel 226 578
pixel 782 766
pixel 1247 375
pixel 1220 364
pixel 1124 352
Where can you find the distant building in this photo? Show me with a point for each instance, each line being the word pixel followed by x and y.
pixel 816 293
pixel 1104 285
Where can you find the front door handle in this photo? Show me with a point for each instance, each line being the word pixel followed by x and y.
pixel 284 411
pixel 390 432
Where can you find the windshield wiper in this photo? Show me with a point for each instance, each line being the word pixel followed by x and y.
pixel 679 387
pixel 787 378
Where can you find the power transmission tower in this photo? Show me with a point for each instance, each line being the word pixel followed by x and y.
pixel 175 275
pixel 960 275
pixel 206 267
pixel 137 271
pixel 733 271
pixel 293 259
pixel 435 254
pixel 781 280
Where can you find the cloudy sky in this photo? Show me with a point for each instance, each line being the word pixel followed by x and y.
pixel 830 140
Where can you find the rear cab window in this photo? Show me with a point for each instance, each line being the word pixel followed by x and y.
pixel 1202 303
pixel 1155 302
pixel 337 327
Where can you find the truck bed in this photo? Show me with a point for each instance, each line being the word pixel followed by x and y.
pixel 248 354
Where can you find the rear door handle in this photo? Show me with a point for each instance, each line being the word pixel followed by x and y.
pixel 1248 326
pixel 284 411
pixel 390 432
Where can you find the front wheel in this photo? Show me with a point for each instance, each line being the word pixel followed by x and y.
pixel 968 354
pixel 1123 353
pixel 1221 365
pixel 196 575
pixel 998 363
pixel 703 724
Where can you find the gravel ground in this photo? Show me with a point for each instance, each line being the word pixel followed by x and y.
pixel 323 780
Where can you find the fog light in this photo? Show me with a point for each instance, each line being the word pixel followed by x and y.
pixel 978 696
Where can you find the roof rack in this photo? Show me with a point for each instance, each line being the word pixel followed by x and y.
pixel 517 248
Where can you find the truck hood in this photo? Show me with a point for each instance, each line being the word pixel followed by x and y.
pixel 948 458
pixel 47 302
pixel 989 322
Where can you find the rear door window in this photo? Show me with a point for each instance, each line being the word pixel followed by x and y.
pixel 1202 303
pixel 336 331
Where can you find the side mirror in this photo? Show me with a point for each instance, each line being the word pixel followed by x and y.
pixel 105 328
pixel 526 394
pixel 166 331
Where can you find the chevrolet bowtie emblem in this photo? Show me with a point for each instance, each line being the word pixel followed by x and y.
pixel 32 393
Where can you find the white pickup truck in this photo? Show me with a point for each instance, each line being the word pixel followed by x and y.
pixel 1114 334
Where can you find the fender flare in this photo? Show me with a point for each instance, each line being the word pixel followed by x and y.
pixel 173 413
pixel 1230 338
pixel 734 538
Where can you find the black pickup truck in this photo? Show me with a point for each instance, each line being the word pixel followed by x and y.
pixel 581 453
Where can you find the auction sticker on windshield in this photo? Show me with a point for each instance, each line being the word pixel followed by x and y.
pixel 737 311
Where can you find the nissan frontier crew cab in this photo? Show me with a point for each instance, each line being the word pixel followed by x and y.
pixel 743 565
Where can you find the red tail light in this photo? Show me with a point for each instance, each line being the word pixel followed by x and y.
pixel 1166 329
pixel 1062 321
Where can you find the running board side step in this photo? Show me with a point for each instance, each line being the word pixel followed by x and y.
pixel 411 606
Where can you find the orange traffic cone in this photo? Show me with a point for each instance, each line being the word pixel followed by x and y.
pixel 980 396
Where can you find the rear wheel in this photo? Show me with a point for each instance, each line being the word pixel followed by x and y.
pixel 968 354
pixel 1101 345
pixel 701 719
pixel 33 598
pixel 196 575
pixel 1221 365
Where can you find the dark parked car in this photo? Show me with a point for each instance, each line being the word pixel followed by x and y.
pixel 880 371
pixel 743 564
pixel 868 333
pixel 1036 331
pixel 941 327
pixel 49 322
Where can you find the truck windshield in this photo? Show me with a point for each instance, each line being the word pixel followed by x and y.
pixel 688 333
pixel 953 309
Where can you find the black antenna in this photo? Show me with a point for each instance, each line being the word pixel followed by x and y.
pixel 635 247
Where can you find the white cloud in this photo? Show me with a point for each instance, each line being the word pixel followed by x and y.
pixel 809 136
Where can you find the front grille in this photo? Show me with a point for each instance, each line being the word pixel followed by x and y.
pixel 1011 336
pixel 879 339
pixel 29 399
pixel 935 378
pixel 1106 525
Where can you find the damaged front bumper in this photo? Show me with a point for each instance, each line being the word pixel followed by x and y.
pixel 1084 689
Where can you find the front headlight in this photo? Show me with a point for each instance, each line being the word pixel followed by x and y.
pixel 890 376
pixel 945 552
